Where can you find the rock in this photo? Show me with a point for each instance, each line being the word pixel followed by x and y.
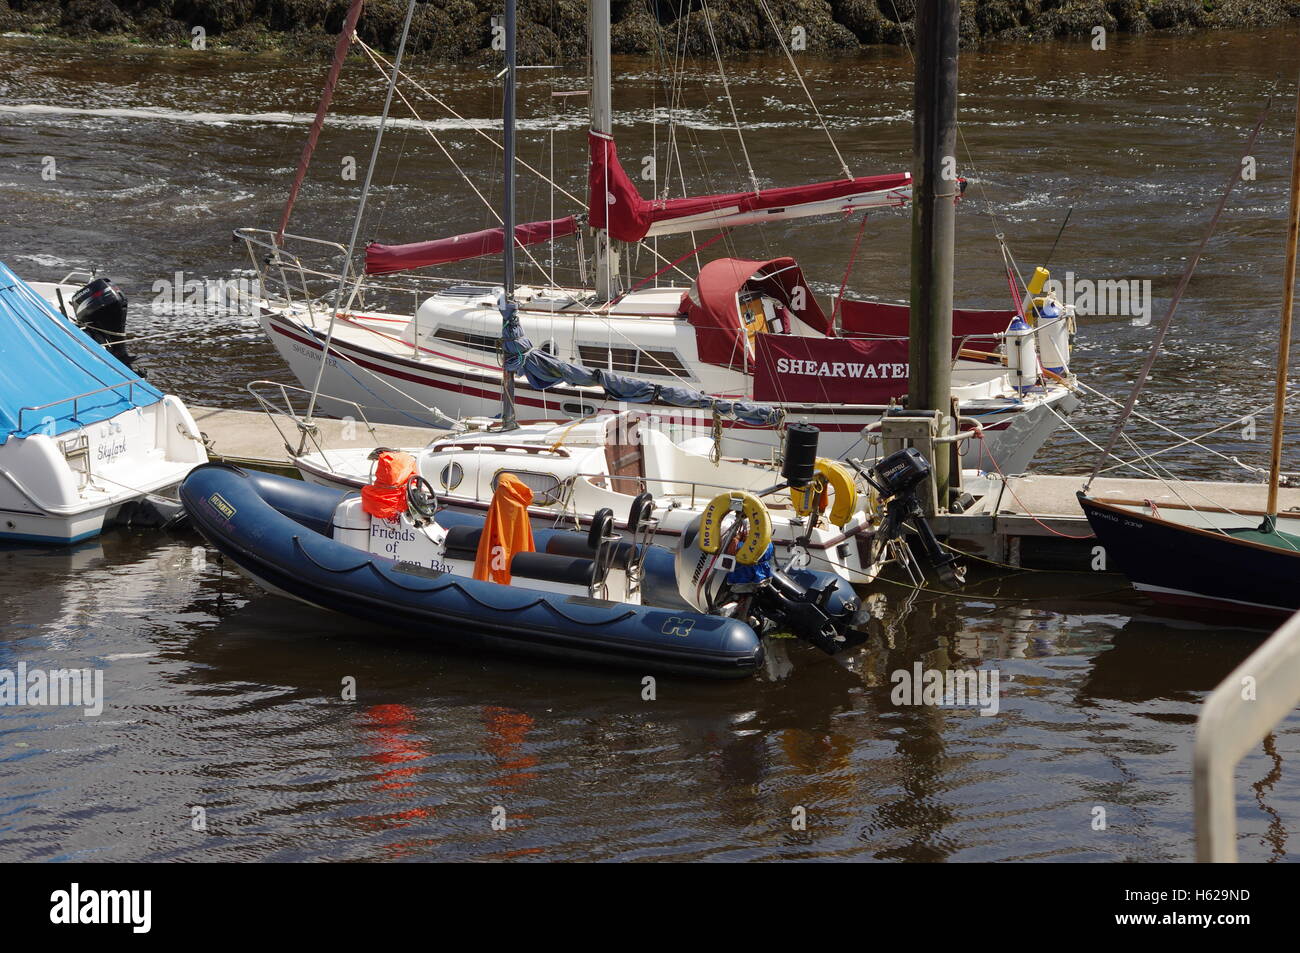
pixel 93 17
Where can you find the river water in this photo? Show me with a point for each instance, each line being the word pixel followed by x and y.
pixel 224 699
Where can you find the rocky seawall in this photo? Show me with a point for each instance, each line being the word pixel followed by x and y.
pixel 553 30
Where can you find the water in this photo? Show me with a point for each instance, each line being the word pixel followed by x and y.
pixel 224 699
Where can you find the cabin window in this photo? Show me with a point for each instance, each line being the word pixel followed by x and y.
pixel 547 487
pixel 652 363
pixel 622 358
pixel 662 363
pixel 593 355
pixel 476 342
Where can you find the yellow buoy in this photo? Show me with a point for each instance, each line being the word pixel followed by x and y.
pixel 752 509
pixel 837 477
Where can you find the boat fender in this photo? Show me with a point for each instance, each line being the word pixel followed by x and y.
pixel 602 525
pixel 752 509
pixel 835 476
pixel 641 510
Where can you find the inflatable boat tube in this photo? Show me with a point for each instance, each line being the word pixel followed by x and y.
pixel 276 530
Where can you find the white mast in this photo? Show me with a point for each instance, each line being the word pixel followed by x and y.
pixel 602 122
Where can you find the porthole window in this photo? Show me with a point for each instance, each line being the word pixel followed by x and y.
pixel 451 476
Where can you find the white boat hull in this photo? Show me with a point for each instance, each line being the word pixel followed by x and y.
pixel 392 388
pixel 66 488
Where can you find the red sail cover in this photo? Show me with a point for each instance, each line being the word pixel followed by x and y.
pixel 829 370
pixel 877 319
pixel 616 204
pixel 713 307
pixel 385 259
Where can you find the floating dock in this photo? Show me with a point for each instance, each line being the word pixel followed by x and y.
pixel 1031 521
pixel 1036 521
pixel 253 438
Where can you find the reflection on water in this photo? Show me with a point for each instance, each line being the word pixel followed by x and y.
pixel 223 698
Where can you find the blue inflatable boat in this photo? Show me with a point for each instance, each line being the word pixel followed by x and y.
pixel 587 597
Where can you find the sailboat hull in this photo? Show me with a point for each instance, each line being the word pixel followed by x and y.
pixel 1186 565
pixel 400 390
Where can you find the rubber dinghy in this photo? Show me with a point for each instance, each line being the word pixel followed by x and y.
pixel 580 597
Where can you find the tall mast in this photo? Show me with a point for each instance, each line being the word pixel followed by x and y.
pixel 602 121
pixel 1284 341
pixel 339 304
pixel 322 109
pixel 934 191
pixel 508 316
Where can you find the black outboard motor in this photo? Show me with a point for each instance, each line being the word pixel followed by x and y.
pixel 100 308
pixel 897 478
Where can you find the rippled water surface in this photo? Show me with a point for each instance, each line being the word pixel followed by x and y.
pixel 222 698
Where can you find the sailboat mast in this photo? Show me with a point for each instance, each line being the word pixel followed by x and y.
pixel 1284 342
pixel 508 317
pixel 602 122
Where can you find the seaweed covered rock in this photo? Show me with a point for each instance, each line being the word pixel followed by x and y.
pixel 554 31
pixel 91 17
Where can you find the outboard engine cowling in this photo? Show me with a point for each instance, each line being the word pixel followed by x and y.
pixel 100 308
pixel 898 478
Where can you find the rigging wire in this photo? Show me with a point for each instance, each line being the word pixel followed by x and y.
pixel 780 36
pixel 1233 179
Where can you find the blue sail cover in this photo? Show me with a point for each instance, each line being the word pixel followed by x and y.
pixel 45 359
pixel 544 371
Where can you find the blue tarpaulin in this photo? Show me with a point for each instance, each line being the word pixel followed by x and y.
pixel 46 361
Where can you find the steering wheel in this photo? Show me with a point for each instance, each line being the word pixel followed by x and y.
pixel 421 499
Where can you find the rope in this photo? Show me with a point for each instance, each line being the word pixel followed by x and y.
pixel 1138 384
pixel 979 434
pixel 848 269
pixel 726 89
pixel 780 36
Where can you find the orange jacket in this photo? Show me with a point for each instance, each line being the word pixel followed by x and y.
pixel 506 531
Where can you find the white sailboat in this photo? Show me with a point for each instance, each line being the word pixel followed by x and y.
pixel 742 349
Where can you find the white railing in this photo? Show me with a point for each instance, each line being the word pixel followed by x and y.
pixel 1250 703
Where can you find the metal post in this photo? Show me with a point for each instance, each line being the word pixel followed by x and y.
pixel 508 420
pixel 305 426
pixel 934 192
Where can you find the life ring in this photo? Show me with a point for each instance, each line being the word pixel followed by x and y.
pixel 837 477
pixel 752 509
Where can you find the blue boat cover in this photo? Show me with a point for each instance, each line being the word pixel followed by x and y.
pixel 544 371
pixel 45 359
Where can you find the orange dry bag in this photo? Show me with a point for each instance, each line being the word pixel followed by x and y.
pixel 506 531
pixel 385 498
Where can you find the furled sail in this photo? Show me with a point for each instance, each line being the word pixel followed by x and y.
pixel 544 371
pixel 615 203
pixel 386 259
